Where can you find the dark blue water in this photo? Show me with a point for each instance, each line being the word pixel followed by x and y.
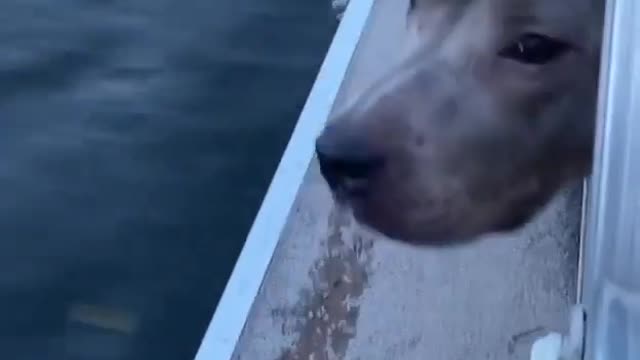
pixel 137 139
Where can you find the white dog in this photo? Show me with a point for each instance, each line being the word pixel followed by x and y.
pixel 488 116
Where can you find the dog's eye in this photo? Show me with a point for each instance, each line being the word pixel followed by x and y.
pixel 534 49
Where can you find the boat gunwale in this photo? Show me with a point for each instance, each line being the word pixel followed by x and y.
pixel 243 286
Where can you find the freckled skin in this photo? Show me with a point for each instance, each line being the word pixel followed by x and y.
pixel 475 142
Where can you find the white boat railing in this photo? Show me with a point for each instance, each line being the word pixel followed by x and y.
pixel 234 307
pixel 611 270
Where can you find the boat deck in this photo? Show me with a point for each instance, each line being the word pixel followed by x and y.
pixel 331 291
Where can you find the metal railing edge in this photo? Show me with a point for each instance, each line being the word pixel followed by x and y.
pixel 228 322
pixel 616 131
pixel 591 200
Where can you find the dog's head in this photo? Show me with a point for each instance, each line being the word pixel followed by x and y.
pixel 489 114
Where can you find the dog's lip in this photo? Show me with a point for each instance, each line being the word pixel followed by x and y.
pixel 351 191
pixel 356 187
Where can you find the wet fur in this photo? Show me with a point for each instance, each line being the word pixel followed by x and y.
pixel 475 143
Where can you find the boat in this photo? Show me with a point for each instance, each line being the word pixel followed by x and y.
pixel 309 285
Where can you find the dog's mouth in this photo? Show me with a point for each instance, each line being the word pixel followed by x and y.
pixel 392 218
pixel 350 191
pixel 351 184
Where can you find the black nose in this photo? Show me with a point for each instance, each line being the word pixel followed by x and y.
pixel 346 165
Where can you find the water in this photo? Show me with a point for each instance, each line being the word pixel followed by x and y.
pixel 137 138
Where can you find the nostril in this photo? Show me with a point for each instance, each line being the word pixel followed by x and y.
pixel 349 165
pixel 355 167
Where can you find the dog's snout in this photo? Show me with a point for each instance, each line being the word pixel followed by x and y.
pixel 348 164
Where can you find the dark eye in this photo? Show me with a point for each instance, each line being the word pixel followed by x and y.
pixel 412 4
pixel 534 49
